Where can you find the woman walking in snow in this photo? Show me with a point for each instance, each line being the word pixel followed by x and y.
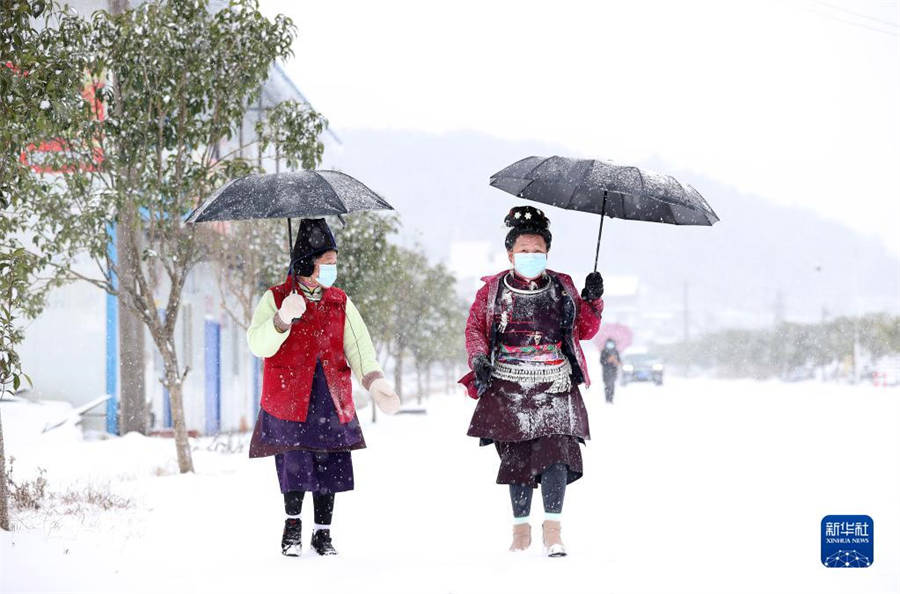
pixel 522 339
pixel 312 336
pixel 609 360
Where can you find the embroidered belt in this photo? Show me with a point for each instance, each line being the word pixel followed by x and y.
pixel 558 376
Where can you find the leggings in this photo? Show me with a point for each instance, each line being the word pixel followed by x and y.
pixel 323 506
pixel 553 491
pixel 609 385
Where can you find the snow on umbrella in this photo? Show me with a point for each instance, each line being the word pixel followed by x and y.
pixel 288 195
pixel 600 187
pixel 291 194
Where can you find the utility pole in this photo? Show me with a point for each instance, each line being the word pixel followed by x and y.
pixel 132 395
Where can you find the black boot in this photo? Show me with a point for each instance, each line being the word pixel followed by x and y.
pixel 291 544
pixel 321 542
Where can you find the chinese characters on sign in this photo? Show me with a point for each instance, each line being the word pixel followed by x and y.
pixel 847 541
pixel 846 529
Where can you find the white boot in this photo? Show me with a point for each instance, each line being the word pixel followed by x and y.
pixel 553 544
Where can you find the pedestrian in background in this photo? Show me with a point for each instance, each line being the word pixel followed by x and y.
pixel 609 359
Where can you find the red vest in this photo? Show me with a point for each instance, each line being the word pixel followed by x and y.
pixel 317 336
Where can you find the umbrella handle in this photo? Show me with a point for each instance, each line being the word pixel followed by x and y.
pixel 290 237
pixel 600 234
pixel 290 253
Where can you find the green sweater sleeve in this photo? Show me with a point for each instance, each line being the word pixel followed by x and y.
pixel 262 337
pixel 358 348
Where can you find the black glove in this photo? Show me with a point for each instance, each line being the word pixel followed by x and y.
pixel 593 287
pixel 483 369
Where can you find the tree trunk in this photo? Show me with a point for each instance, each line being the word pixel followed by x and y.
pixel 4 498
pixel 132 403
pixel 132 393
pixel 175 385
pixel 428 380
pixel 398 373
pixel 448 373
pixel 419 386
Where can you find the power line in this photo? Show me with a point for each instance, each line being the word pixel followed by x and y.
pixel 854 23
pixel 860 25
pixel 858 14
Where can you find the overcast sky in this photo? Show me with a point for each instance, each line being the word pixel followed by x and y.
pixel 794 100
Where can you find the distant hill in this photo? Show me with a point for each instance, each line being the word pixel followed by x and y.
pixel 760 262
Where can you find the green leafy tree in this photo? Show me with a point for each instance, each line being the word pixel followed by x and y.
pixel 41 85
pixel 439 335
pixel 774 352
pixel 406 307
pixel 425 318
pixel 176 82
pixel 367 268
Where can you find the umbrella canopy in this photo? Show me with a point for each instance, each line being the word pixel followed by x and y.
pixel 599 187
pixel 594 186
pixel 620 333
pixel 288 195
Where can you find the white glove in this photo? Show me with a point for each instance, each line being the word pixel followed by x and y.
pixel 384 396
pixel 293 306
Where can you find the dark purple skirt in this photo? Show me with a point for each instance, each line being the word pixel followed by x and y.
pixel 313 455
pixel 316 472
pixel 321 432
pixel 532 430
pixel 523 462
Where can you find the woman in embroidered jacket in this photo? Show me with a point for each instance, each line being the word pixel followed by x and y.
pixel 312 336
pixel 522 339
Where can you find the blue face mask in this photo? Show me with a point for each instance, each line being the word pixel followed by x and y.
pixel 327 274
pixel 530 265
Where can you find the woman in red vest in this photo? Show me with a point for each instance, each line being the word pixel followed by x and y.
pixel 522 338
pixel 311 337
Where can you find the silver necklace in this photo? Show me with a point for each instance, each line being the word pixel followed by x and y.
pixel 524 291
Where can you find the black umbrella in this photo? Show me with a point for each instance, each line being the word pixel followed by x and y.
pixel 288 195
pixel 599 187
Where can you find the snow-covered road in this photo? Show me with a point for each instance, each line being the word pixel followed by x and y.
pixel 696 486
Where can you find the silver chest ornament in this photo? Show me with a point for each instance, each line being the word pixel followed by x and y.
pixel 507 301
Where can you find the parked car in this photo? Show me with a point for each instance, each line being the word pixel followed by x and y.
pixel 642 368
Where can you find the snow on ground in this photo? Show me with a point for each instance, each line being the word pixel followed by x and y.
pixel 695 486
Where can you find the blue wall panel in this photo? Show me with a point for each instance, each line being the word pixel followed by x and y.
pixel 213 376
